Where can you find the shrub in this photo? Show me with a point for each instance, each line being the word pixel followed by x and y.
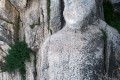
pixel 15 60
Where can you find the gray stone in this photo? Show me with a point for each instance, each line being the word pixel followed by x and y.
pixel 77 48
pixel 56 21
pixel 76 51
pixel 19 4
pixel 112 49
pixel 99 5
pixel 114 1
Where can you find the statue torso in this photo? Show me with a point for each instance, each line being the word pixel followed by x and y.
pixel 75 55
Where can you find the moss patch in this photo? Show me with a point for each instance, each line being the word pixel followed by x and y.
pixel 104 50
pixel 48 9
pixel 48 15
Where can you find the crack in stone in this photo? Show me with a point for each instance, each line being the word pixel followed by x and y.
pixel 7 21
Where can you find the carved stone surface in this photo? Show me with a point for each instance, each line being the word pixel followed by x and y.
pixel 76 51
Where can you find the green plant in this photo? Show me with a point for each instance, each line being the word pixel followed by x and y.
pixel 111 17
pixel 48 9
pixel 48 15
pixel 104 50
pixel 15 60
pixel 104 35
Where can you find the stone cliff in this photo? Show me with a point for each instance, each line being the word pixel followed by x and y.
pixel 68 38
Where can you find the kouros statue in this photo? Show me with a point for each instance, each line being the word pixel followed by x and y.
pixel 77 52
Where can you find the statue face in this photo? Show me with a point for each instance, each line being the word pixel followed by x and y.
pixel 77 10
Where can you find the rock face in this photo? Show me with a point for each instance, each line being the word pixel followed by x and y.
pixel 32 18
pixel 99 6
pixel 21 4
pixel 55 15
pixel 116 7
pixel 77 52
pixel 7 19
pixel 115 1
pixel 111 50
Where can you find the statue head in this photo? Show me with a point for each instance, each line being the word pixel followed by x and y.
pixel 79 12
